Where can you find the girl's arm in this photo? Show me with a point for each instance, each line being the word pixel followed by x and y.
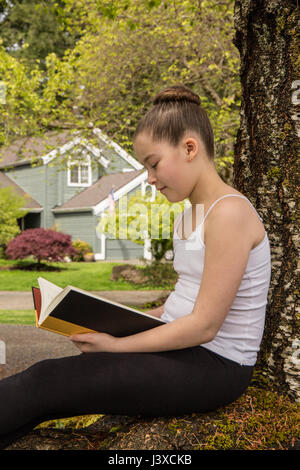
pixel 228 243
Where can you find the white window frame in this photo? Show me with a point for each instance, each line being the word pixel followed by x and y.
pixel 80 163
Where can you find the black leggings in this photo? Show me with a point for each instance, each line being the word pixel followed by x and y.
pixel 169 383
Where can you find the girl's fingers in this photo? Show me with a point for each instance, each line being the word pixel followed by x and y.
pixel 81 338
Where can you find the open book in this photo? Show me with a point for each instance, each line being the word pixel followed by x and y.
pixel 71 310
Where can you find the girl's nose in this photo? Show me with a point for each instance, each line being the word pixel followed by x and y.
pixel 151 178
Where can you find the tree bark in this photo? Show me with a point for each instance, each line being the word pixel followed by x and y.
pixel 266 166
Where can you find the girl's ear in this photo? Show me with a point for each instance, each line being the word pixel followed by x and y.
pixel 191 148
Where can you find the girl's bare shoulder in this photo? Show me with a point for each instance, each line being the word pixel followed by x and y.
pixel 241 208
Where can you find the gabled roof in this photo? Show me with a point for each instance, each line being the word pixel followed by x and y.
pixel 31 204
pixel 52 144
pixel 25 149
pixel 92 196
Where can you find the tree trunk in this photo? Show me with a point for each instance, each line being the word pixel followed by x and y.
pixel 265 167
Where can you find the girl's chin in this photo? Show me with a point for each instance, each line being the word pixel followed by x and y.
pixel 173 197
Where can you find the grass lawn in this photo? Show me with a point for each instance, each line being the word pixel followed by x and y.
pixel 88 276
pixel 17 317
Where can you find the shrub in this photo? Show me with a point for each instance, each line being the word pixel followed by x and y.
pixel 160 274
pixel 42 244
pixel 81 248
pixel 11 209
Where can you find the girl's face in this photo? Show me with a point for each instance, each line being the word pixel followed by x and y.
pixel 169 168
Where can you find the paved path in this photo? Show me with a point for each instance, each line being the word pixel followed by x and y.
pixel 25 345
pixel 12 300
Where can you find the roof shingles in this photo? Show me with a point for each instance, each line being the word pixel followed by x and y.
pixel 99 191
pixel 25 149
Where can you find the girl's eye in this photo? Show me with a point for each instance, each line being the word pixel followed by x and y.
pixel 154 166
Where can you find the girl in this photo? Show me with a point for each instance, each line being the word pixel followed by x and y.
pixel 203 356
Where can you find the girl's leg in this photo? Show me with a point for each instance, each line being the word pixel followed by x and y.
pixel 152 384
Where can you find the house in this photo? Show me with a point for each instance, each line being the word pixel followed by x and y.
pixel 67 181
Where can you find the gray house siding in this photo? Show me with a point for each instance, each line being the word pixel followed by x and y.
pixel 41 183
pixel 65 191
pixel 31 180
pixel 48 185
pixel 116 164
pixel 82 225
pixel 123 249
pixel 78 224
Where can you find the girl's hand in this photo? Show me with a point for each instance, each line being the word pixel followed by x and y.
pixel 94 342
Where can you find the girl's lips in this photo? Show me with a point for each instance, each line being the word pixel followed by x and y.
pixel 161 189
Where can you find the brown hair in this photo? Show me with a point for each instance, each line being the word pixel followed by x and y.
pixel 175 110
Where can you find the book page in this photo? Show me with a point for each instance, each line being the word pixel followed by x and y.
pixel 49 292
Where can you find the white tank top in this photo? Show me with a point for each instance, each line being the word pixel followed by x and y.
pixel 240 335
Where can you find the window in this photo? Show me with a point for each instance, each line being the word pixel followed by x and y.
pixel 79 173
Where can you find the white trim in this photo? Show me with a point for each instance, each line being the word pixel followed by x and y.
pixel 128 158
pixel 121 192
pixel 147 247
pixel 79 140
pixel 48 157
pixel 61 150
pixel 101 256
pixel 72 209
pixel 102 160
pixel 66 147
pixel 104 204
pixel 32 210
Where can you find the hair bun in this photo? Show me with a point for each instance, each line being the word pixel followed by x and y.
pixel 176 94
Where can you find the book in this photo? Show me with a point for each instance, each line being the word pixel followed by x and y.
pixel 72 310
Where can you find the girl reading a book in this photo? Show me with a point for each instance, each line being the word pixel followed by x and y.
pixel 203 356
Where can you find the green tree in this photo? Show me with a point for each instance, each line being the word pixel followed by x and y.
pixel 127 51
pixel 11 209
pixel 21 112
pixel 32 29
pixel 130 50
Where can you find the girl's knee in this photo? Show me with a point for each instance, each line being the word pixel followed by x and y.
pixel 40 373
